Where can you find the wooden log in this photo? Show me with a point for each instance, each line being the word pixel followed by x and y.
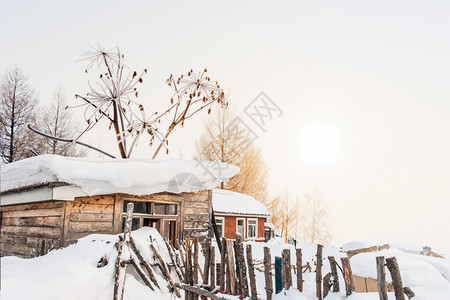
pixel 286 262
pixel 199 291
pixel 119 246
pixel 230 267
pixel 238 271
pixel 319 272
pixel 212 263
pixel 223 264
pixel 240 257
pixel 218 273
pixel 348 277
pixel 299 274
pixel 334 274
pixel 268 273
pixel 251 273
pixel 381 278
pixel 188 266
pixel 206 265
pixel 195 263
pixel 144 262
pixel 326 284
pixel 408 292
pixel 165 271
pixel 141 273
pixel 392 266
pixel 173 260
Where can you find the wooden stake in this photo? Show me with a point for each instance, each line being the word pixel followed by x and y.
pixel 188 267
pixel 348 277
pixel 199 291
pixel 144 262
pixel 392 266
pixel 299 274
pixel 240 257
pixel 251 273
pixel 212 263
pixel 195 263
pixel 230 267
pixel 319 272
pixel 326 284
pixel 381 278
pixel 173 259
pixel 268 273
pixel 286 256
pixel 141 273
pixel 334 274
pixel 165 271
pixel 223 264
pixel 118 268
pixel 238 271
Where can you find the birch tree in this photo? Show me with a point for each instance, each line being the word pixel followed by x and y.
pixel 56 120
pixel 17 103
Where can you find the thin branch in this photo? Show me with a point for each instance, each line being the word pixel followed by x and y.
pixel 68 141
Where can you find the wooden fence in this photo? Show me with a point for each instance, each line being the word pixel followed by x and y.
pixel 235 274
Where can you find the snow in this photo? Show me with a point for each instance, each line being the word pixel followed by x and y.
pixel 97 176
pixel 229 202
pixel 72 273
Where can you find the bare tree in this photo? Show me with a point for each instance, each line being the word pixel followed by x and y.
pixel 113 98
pixel 56 120
pixel 17 103
pixel 224 139
pixel 315 227
pixel 285 214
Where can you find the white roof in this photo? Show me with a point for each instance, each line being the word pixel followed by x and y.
pixel 96 176
pixel 228 202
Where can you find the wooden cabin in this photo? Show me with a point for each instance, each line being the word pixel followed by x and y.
pixel 236 212
pixel 47 203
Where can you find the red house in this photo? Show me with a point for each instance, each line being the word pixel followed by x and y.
pixel 236 212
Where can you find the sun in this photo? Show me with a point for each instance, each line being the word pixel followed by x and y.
pixel 319 143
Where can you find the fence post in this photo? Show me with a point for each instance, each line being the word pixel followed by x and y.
pixel 392 265
pixel 268 273
pixel 299 270
pixel 251 273
pixel 223 264
pixel 381 278
pixel 319 272
pixel 286 255
pixel 334 274
pixel 348 277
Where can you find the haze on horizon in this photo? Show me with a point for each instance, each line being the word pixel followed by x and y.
pixel 377 73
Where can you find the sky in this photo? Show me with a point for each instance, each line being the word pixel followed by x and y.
pixel 375 72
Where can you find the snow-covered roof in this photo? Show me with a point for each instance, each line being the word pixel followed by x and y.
pixel 228 202
pixel 96 176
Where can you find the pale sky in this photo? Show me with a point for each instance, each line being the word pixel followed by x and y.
pixel 377 72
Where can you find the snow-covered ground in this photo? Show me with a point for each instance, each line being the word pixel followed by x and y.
pixel 72 272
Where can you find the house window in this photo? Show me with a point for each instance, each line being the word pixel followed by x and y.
pixel 165 209
pixel 219 226
pixel 252 228
pixel 240 226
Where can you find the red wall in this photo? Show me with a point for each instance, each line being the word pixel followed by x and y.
pixel 230 226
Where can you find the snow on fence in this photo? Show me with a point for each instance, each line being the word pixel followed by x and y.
pixel 235 274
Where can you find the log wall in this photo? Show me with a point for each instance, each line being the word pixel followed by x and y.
pixel 32 229
pixel 88 215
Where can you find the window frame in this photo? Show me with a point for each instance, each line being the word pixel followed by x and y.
pixel 245 223
pixel 256 227
pixel 223 225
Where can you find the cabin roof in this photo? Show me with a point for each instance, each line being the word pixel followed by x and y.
pixel 228 202
pixel 97 176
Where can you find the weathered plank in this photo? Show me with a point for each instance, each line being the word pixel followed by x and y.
pixel 392 266
pixel 34 206
pixel 46 232
pixel 89 217
pixel 298 253
pixel 47 221
pixel 73 236
pixel 90 226
pixel 92 208
pixel 348 277
pixel 43 212
pixel 334 273
pixel 95 200
pixel 20 249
